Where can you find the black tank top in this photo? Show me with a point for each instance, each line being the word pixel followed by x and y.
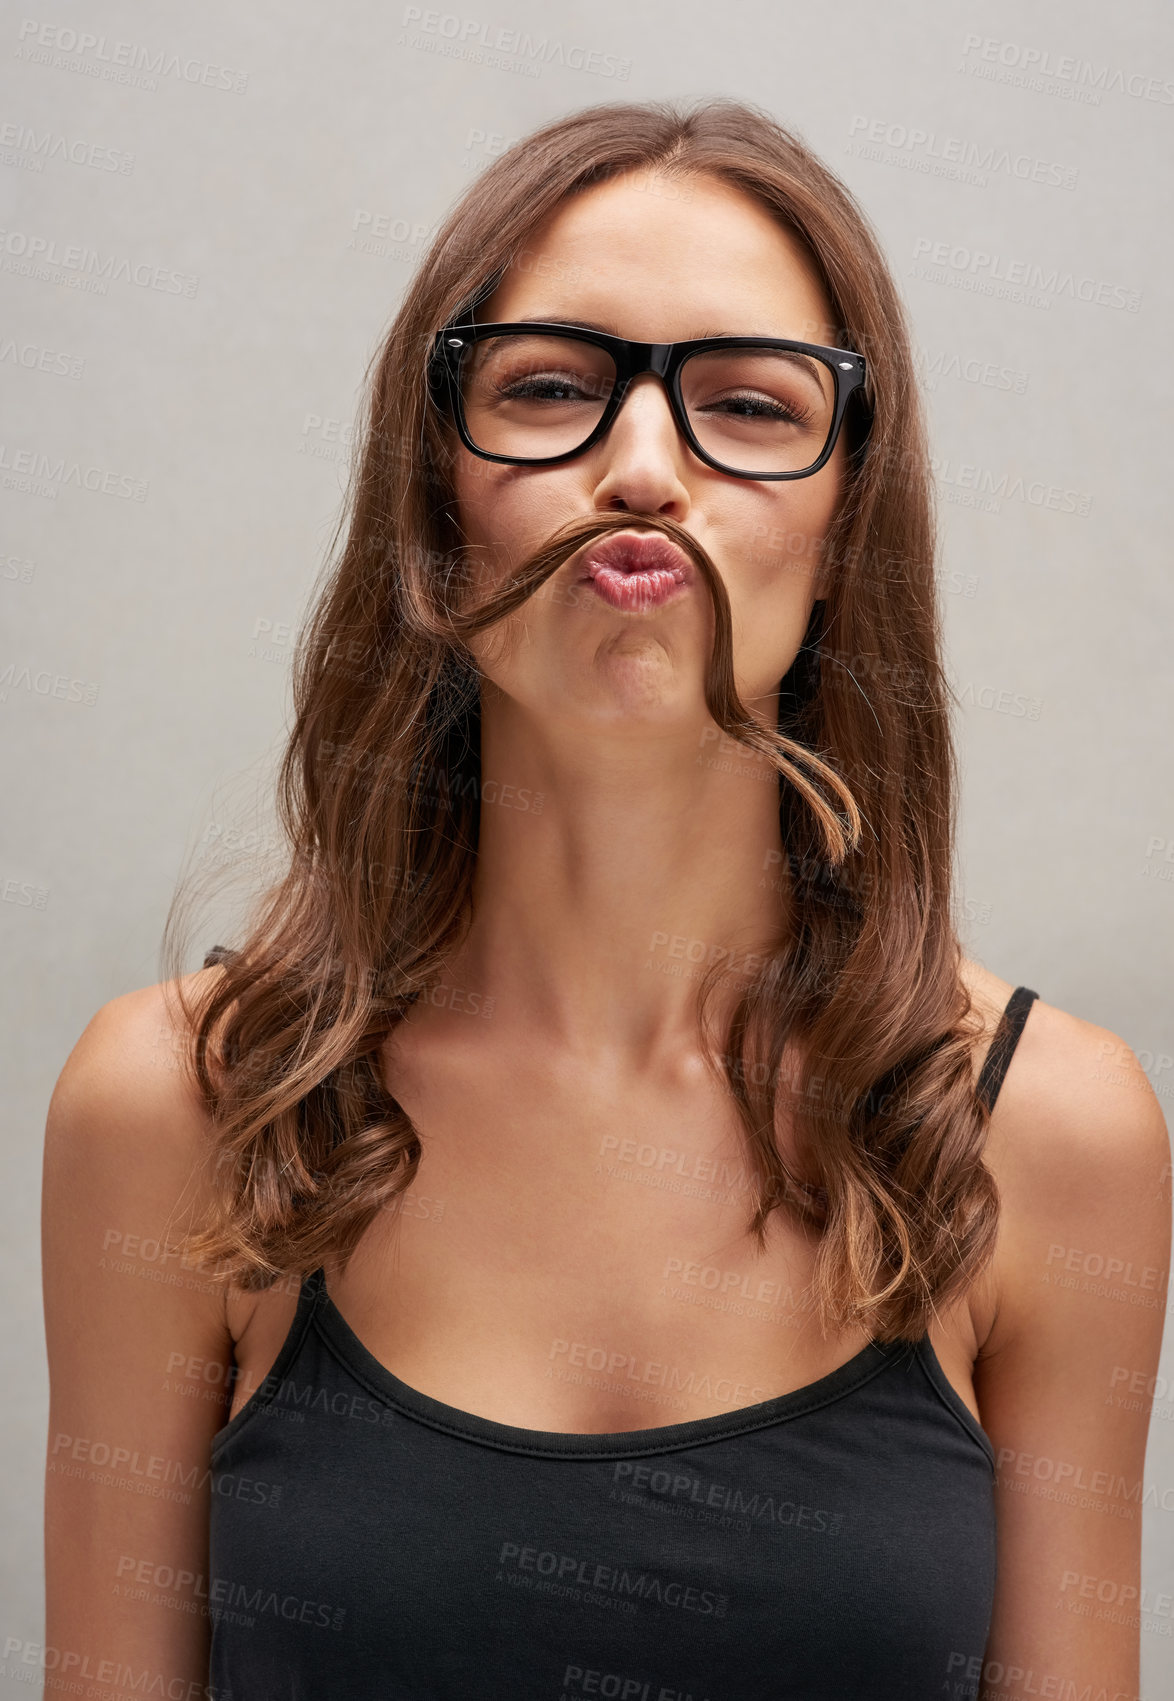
pixel 370 1543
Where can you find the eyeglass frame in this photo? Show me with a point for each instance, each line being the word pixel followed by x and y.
pixel 631 360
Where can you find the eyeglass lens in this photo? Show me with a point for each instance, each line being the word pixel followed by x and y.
pixel 532 395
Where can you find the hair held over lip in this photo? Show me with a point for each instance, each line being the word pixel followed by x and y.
pixel 811 777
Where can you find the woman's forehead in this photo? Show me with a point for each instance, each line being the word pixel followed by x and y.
pixel 657 269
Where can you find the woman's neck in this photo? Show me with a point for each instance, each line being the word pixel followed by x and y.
pixel 608 879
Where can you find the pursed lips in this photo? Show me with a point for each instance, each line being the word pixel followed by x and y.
pixel 638 553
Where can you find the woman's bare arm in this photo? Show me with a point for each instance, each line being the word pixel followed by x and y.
pixel 139 1350
pixel 1065 1380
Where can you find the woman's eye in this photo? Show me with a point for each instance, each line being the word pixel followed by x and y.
pixel 760 407
pixel 551 389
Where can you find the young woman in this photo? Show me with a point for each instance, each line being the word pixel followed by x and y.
pixel 580 1259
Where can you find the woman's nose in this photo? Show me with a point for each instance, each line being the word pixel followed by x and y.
pixel 642 456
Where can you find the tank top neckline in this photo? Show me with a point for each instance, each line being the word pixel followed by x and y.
pixel 844 1379
pixel 316 1308
pixel 872 1358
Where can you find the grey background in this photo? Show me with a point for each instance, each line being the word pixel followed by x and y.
pixel 143 662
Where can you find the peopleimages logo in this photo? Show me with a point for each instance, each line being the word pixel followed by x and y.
pixel 27 254
pixel 1036 67
pixel 33 149
pixel 961 479
pixel 502 48
pixel 100 56
pixel 978 270
pixel 724 1497
pixel 573 1571
pixel 938 155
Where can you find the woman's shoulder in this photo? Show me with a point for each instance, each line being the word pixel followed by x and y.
pixel 1079 1149
pixel 127 1114
pixel 137 1338
pixel 132 1053
pixel 1064 1070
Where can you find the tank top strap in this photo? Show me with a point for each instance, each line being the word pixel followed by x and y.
pixel 1002 1047
pixel 218 954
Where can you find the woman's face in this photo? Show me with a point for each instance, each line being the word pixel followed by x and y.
pixel 656 261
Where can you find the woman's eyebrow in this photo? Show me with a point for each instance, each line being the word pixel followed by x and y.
pixel 610 330
pixel 804 362
pixel 574 324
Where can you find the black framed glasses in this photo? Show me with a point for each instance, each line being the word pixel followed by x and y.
pixel 534 393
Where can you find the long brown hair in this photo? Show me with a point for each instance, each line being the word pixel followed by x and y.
pixel 380 789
